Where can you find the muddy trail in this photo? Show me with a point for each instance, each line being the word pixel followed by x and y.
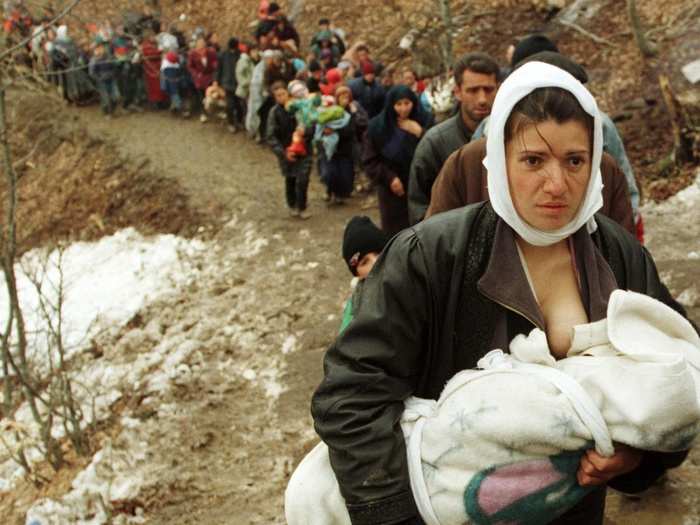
pixel 218 442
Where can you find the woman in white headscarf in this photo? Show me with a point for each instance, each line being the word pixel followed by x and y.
pixel 448 290
pixel 69 67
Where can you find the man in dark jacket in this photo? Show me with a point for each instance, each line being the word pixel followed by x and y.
pixel 368 91
pixel 476 76
pixel 226 77
pixel 436 301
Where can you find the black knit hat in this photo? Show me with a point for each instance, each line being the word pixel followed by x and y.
pixel 560 61
pixel 360 238
pixel 314 65
pixel 529 46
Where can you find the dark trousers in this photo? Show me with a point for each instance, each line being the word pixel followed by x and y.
pixel 296 189
pixel 127 82
pixel 337 174
pixel 197 100
pixel 109 95
pixel 393 210
pixel 264 111
pixel 131 84
pixel 296 181
pixel 234 109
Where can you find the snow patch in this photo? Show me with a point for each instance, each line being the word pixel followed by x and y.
pixel 111 476
pixel 289 344
pixel 683 200
pixel 689 297
pixel 104 283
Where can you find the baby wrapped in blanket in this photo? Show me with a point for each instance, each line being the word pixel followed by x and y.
pixel 503 443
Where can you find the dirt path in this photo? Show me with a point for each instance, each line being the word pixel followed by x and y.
pixel 226 439
pixel 263 321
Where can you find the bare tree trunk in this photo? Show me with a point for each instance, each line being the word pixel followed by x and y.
pixel 645 46
pixel 60 401
pixel 686 128
pixel 8 262
pixel 446 40
pixel 295 9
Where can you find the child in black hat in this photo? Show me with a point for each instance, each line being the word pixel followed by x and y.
pixel 362 244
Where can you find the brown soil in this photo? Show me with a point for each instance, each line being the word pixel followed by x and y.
pixel 76 187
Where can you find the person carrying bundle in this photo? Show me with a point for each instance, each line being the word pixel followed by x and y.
pixel 445 292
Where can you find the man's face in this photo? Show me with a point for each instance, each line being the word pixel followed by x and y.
pixel 366 264
pixel 408 78
pixel 363 55
pixel 475 95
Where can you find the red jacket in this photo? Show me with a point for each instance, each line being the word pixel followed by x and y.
pixel 202 64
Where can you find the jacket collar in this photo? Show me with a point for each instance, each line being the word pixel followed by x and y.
pixel 462 127
pixel 504 280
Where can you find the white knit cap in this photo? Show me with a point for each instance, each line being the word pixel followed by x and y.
pixel 520 83
pixel 62 32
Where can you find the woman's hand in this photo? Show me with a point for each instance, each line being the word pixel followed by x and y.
pixel 291 156
pixel 396 187
pixel 595 469
pixel 411 126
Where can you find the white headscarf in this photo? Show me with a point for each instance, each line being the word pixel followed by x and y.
pixel 62 32
pixel 520 83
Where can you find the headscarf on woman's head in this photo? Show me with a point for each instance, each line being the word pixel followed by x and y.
pixel 396 145
pixel 522 82
pixel 62 33
pixel 383 125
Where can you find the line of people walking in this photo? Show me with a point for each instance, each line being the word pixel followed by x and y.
pixel 333 101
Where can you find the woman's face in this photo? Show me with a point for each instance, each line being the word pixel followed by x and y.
pixel 403 108
pixel 343 99
pixel 549 165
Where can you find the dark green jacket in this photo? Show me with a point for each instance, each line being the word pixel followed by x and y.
pixel 438 143
pixel 441 295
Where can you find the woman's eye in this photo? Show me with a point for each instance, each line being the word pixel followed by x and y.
pixel 575 162
pixel 532 161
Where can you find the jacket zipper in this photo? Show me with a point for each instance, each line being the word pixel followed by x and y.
pixel 535 323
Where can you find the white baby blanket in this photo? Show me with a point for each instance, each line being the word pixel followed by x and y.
pixel 505 441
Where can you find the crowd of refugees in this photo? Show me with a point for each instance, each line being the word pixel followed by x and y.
pixel 329 100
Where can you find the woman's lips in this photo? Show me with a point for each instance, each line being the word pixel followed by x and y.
pixel 553 208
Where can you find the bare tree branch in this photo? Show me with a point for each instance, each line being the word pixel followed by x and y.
pixel 24 42
pixel 645 46
pixel 584 32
